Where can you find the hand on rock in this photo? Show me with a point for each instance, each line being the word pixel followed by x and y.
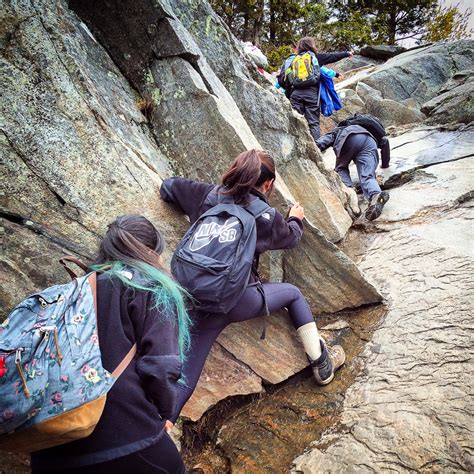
pixel 351 54
pixel 297 211
pixel 168 426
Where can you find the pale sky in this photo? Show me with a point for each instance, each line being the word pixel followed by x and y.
pixel 463 6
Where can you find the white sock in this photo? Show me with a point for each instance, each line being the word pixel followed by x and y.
pixel 308 333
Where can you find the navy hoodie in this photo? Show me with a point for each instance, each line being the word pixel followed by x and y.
pixel 274 232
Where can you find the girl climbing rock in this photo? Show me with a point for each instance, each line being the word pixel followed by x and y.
pixel 299 76
pixel 137 302
pixel 249 178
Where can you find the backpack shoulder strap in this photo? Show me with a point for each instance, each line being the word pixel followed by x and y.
pixel 257 207
pixel 314 58
pixel 125 362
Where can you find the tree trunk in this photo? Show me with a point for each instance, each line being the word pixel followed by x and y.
pixel 246 32
pixel 272 26
pixel 258 23
pixel 392 22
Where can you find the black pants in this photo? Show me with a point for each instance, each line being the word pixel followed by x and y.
pixel 159 458
pixel 306 102
pixel 250 306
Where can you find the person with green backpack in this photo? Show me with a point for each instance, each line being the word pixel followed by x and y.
pixel 299 75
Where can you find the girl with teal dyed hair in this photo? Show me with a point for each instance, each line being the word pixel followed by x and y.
pixel 137 302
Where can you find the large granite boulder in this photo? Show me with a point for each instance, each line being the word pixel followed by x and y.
pixel 423 147
pixel 202 83
pixel 83 144
pixel 409 409
pixel 397 90
pixel 418 74
pixel 381 51
pixel 352 65
pixel 75 148
pixel 455 102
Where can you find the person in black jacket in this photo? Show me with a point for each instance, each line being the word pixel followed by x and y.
pixel 249 178
pixel 355 143
pixel 134 305
pixel 305 100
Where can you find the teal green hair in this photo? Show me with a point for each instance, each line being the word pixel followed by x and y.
pixel 169 297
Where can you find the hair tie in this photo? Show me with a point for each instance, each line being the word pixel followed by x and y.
pixel 115 224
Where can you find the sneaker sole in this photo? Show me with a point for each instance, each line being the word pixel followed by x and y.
pixel 330 379
pixel 374 211
pixel 327 381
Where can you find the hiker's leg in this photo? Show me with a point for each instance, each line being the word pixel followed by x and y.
pixel 278 296
pixel 206 329
pixel 324 361
pixel 297 103
pixel 305 101
pixel 344 174
pixel 342 167
pixel 312 111
pixel 366 162
pixel 352 146
pixel 204 332
pixel 281 296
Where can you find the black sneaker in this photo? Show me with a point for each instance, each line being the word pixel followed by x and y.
pixel 331 359
pixel 377 202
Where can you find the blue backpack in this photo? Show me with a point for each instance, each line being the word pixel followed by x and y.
pixel 52 383
pixel 214 259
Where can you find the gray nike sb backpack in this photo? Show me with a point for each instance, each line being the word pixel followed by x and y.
pixel 214 259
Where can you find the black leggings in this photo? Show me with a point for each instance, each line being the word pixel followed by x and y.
pixel 159 458
pixel 206 328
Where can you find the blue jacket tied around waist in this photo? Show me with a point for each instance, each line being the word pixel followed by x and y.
pixel 329 100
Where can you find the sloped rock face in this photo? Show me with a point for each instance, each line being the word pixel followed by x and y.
pixel 455 102
pixel 78 152
pixel 418 74
pixel 200 85
pixel 409 408
pixel 383 51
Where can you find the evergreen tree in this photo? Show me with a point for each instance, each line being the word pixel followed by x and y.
pixel 276 25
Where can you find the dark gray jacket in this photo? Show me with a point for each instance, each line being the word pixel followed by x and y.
pixel 338 136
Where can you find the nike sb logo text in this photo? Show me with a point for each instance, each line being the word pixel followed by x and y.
pixel 206 233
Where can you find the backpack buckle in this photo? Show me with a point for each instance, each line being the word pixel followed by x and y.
pixel 43 303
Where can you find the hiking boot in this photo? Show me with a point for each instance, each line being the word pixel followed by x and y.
pixel 330 360
pixel 377 202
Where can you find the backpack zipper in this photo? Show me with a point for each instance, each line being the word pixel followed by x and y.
pixel 20 371
pixel 46 330
pixel 58 349
pixel 203 266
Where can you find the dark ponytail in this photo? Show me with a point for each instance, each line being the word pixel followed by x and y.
pixel 249 170
pixel 306 44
